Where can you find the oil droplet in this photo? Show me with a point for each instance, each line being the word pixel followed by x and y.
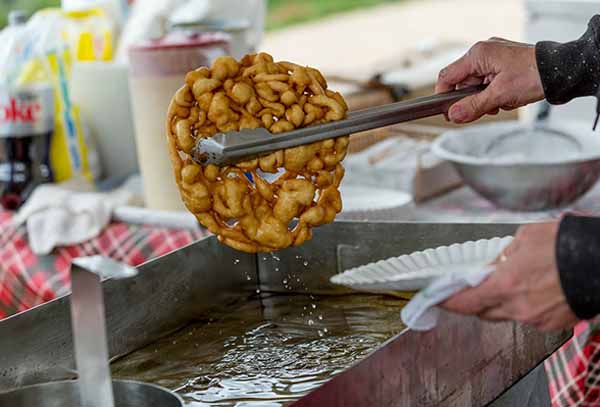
pixel 311 322
pixel 248 278
pixel 313 305
pixel 285 281
pixel 320 317
pixel 325 330
pixel 276 269
pixel 298 280
pixel 236 261
pixel 305 263
pixel 321 334
pixel 258 291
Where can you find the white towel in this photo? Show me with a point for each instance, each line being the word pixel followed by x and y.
pixel 422 313
pixel 68 213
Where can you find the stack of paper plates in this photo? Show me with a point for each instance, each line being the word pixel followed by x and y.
pixel 374 204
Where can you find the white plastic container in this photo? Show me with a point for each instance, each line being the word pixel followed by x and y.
pixel 561 21
pixel 157 70
pixel 101 91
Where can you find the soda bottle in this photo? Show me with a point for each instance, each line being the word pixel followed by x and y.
pixel 26 127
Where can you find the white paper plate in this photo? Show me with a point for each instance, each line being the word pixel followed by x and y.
pixel 416 271
pixel 374 204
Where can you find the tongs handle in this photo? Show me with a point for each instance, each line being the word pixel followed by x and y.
pixel 414 109
pixel 229 148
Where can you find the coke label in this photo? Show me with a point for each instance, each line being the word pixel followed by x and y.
pixel 26 111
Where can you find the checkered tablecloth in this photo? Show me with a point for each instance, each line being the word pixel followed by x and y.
pixel 574 371
pixel 27 280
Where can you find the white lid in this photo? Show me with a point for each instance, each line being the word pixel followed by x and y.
pixel 582 9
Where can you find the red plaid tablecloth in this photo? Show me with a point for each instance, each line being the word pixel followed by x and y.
pixel 574 371
pixel 27 280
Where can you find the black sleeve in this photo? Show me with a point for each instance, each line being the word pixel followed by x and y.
pixel 578 261
pixel 571 69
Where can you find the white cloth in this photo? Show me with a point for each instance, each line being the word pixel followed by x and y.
pixel 422 313
pixel 67 213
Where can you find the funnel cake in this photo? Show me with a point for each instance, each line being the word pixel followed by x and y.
pixel 235 202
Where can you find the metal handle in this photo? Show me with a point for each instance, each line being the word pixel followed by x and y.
pixel 416 108
pixel 89 327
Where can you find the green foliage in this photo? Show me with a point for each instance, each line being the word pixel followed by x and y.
pixel 287 12
pixel 30 6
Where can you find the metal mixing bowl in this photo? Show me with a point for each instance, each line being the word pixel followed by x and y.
pixel 545 177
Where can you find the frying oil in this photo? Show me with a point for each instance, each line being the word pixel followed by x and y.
pixel 269 352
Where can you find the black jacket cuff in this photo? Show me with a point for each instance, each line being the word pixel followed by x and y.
pixel 578 261
pixel 571 69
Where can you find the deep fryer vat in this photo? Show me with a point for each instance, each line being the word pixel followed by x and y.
pixel 462 362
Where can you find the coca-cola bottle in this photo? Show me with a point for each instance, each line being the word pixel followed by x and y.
pixel 26 127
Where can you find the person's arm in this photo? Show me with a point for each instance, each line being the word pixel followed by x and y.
pixel 571 69
pixel 518 74
pixel 568 71
pixel 578 263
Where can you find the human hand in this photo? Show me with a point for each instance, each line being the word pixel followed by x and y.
pixel 525 286
pixel 510 70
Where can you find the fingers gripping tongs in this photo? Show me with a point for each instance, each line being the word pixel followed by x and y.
pixel 232 147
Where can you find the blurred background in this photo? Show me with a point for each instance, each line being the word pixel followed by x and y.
pixel 281 13
pixel 113 66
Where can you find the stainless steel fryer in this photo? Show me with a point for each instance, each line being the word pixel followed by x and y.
pixel 463 362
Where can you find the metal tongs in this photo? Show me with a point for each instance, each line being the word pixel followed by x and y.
pixel 232 147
